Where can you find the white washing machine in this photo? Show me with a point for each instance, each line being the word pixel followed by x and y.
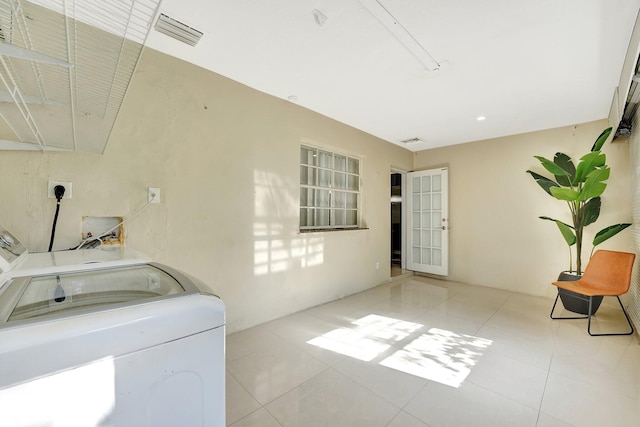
pixel 104 337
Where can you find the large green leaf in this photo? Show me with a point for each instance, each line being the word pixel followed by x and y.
pixel 565 162
pixel 608 232
pixel 551 167
pixel 564 194
pixel 599 174
pixel 593 186
pixel 587 164
pixel 594 189
pixel 591 211
pixel 565 229
pixel 543 182
pixel 597 146
pixel 567 233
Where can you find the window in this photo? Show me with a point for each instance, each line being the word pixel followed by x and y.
pixel 329 189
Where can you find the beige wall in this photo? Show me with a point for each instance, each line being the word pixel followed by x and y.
pixel 226 158
pixel 496 238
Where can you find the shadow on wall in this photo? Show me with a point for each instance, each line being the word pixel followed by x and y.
pixel 278 246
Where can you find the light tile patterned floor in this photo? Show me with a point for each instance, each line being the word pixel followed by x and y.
pixel 424 352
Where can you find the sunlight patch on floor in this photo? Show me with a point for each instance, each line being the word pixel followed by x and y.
pixel 437 354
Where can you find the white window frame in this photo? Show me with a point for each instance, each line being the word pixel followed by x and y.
pixel 330 189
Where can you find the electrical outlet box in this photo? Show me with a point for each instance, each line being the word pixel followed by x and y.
pixel 67 189
pixel 154 195
pixel 97 227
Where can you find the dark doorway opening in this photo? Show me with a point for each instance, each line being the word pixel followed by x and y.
pixel 396 220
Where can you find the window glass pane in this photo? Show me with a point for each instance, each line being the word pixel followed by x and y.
pixel 437 183
pixel 324 178
pixel 426 220
pixel 437 219
pixel 306 217
pixel 322 198
pixel 426 202
pixel 415 205
pixel 426 256
pixel 340 163
pixel 307 175
pixel 437 201
pixel 426 184
pixel 426 238
pixel 307 197
pixel 415 184
pixel 325 159
pixel 304 175
pixel 437 257
pixel 340 180
pixel 351 217
pixel 353 183
pixel 415 255
pixel 416 219
pixel 307 156
pixel 352 200
pixel 338 199
pixel 322 217
pixel 340 217
pixel 437 238
pixel 354 165
pixel 415 237
pixel 303 217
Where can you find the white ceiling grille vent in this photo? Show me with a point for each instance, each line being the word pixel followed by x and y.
pixel 176 29
pixel 413 140
pixel 625 127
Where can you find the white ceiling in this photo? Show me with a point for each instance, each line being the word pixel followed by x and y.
pixel 525 65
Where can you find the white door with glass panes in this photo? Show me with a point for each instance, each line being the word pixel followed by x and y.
pixel 428 228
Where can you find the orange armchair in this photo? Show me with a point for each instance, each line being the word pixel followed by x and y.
pixel 607 274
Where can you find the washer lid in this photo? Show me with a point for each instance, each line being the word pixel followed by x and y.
pixel 97 290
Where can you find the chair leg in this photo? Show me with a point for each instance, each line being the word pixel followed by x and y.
pixel 625 315
pixel 564 318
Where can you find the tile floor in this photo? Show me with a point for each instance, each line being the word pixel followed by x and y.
pixel 423 352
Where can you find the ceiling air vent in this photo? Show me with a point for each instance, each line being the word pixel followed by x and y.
pixel 178 30
pixel 412 140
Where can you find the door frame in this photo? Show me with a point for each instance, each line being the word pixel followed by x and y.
pixel 404 217
pixel 444 269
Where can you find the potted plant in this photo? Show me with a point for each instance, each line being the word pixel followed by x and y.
pixel 580 188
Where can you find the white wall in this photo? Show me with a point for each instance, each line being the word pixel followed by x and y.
pixel 226 158
pixel 634 293
pixel 496 238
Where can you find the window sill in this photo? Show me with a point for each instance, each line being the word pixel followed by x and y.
pixel 322 230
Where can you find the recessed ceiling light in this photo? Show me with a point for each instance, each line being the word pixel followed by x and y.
pixel 292 98
pixel 480 118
